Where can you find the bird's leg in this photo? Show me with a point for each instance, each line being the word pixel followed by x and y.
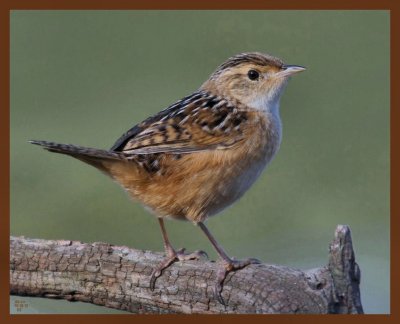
pixel 228 264
pixel 172 256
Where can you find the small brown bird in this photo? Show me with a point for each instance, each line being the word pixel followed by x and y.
pixel 199 155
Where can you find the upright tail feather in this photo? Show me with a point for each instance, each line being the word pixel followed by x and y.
pixel 94 157
pixel 75 150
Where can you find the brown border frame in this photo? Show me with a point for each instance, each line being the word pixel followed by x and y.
pixel 6 5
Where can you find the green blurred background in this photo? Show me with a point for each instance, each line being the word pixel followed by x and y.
pixel 85 77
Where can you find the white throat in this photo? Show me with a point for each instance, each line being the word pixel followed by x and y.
pixel 267 104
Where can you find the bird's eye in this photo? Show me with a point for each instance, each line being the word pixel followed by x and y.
pixel 253 75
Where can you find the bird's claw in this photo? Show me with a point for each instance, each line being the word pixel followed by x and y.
pixel 223 271
pixel 179 255
pixel 165 263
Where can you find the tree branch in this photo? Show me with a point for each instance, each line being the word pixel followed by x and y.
pixel 118 277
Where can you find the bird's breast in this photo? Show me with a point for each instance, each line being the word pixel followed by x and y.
pixel 232 172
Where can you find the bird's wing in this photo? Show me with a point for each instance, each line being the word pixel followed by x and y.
pixel 195 123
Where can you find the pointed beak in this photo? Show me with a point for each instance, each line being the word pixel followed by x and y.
pixel 287 70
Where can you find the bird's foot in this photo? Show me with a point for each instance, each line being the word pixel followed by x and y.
pixel 228 266
pixel 171 257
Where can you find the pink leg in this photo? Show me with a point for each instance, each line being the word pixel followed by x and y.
pixel 228 264
pixel 171 256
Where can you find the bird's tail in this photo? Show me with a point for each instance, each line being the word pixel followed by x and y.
pixel 94 157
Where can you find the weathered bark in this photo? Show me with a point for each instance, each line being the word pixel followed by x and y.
pixel 118 277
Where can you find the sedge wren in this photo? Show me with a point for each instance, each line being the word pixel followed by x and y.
pixel 198 156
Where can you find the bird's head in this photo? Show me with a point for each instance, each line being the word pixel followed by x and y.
pixel 254 79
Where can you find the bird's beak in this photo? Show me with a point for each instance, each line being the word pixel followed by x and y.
pixel 287 70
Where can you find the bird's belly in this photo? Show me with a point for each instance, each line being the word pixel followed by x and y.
pixel 235 185
pixel 204 186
